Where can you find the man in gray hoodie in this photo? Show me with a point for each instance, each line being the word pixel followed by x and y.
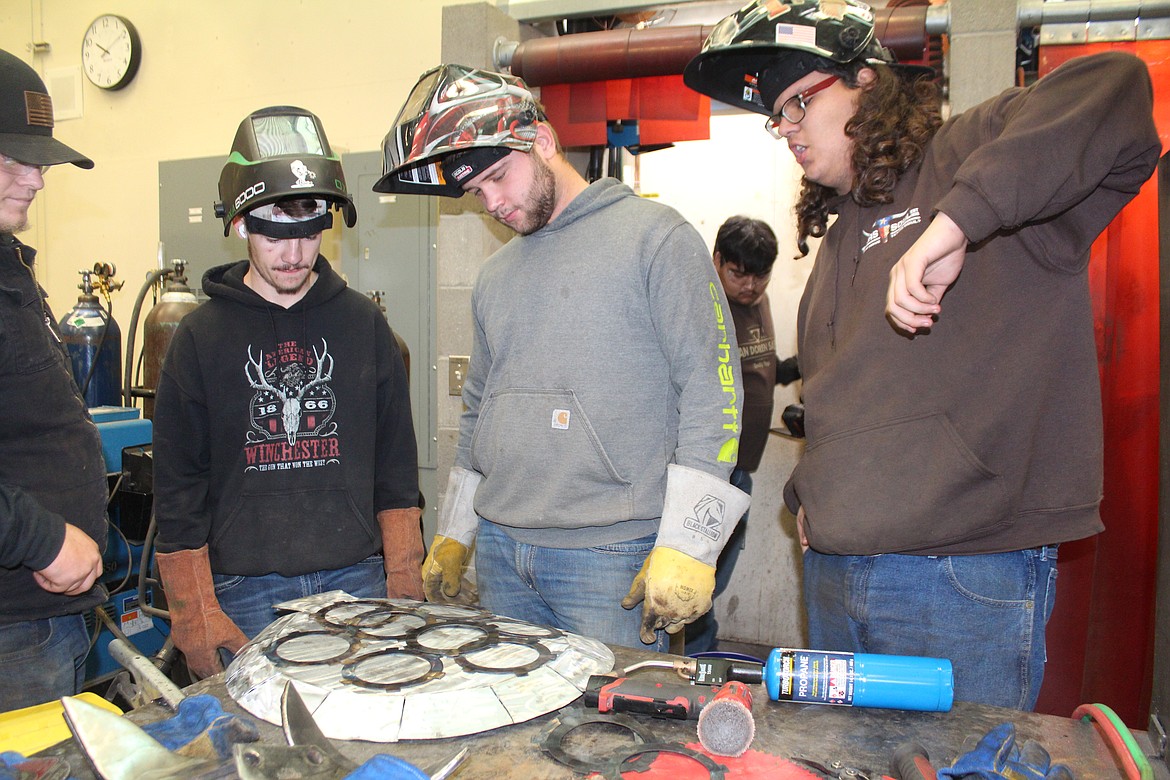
pixel 603 395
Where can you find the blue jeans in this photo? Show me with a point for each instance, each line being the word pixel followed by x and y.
pixel 574 590
pixel 248 600
pixel 986 613
pixel 41 660
pixel 701 635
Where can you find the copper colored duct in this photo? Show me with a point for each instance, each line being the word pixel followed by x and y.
pixel 664 51
pixel 609 54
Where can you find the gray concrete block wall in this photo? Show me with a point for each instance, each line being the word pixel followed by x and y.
pixel 466 235
pixel 982 60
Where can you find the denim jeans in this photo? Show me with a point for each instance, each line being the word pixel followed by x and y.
pixel 574 590
pixel 986 613
pixel 701 634
pixel 248 600
pixel 41 660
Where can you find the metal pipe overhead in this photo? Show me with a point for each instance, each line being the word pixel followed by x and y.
pixel 1033 13
pixel 661 51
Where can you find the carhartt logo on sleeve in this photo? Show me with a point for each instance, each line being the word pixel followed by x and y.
pixel 560 419
pixel 38 109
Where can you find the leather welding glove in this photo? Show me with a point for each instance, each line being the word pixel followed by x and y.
pixel 677 580
pixel 442 571
pixel 675 590
pixel 198 624
pixel 402 550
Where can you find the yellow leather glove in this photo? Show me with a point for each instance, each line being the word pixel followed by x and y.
pixel 444 566
pixel 675 590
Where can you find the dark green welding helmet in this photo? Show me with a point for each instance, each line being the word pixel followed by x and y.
pixel 281 152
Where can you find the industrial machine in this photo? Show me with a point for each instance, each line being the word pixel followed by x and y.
pixel 126 439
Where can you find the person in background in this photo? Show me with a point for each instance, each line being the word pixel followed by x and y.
pixel 745 250
pixel 953 420
pixel 603 394
pixel 53 488
pixel 285 457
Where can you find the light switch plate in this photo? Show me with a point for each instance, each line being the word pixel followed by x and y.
pixel 456 373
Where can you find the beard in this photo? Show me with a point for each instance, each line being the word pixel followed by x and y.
pixel 542 197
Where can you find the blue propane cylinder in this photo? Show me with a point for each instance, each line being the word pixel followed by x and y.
pixel 860 679
pixel 94 342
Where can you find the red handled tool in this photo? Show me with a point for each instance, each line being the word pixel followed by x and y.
pixel 662 700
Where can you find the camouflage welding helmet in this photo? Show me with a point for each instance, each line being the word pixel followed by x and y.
pixel 759 51
pixel 282 152
pixel 456 122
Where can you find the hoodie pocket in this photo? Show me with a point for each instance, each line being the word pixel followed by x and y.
pixel 293 533
pixel 904 485
pixel 544 463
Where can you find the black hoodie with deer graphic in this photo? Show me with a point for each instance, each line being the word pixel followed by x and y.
pixel 279 434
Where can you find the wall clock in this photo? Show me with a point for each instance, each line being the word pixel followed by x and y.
pixel 111 51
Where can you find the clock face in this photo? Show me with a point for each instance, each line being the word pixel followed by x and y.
pixel 110 52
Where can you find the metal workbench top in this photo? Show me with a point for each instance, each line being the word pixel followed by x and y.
pixel 856 737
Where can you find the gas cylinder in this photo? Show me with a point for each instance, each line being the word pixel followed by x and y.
pixel 177 301
pixel 94 342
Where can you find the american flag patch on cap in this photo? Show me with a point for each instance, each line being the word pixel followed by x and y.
pixel 791 34
pixel 38 108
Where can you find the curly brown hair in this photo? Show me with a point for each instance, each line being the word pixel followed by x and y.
pixel 897 115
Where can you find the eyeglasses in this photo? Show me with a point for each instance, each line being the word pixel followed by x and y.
pixel 794 107
pixel 740 276
pixel 17 168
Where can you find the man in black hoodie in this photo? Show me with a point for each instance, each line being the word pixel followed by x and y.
pixel 52 477
pixel 285 453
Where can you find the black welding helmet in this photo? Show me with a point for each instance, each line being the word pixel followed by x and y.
pixel 456 122
pixel 282 152
pixel 756 53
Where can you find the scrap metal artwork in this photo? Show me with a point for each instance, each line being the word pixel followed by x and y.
pixel 385 670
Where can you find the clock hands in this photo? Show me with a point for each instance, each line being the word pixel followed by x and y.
pixel 116 38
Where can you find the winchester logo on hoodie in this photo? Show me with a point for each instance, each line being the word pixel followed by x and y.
pixel 292 411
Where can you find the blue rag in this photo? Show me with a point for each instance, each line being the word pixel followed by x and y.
pixel 202 716
pixel 998 757
pixel 384 767
pixel 10 759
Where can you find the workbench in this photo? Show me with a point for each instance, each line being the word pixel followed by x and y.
pixel 860 738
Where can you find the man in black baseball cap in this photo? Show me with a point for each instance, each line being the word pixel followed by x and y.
pixel 52 477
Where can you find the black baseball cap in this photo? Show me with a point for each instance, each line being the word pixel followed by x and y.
pixel 26 118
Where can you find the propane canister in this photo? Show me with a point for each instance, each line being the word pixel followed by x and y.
pixel 860 679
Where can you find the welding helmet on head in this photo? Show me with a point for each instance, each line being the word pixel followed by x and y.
pixel 753 55
pixel 456 122
pixel 282 152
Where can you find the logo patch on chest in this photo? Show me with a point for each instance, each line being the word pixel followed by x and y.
pixel 885 228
